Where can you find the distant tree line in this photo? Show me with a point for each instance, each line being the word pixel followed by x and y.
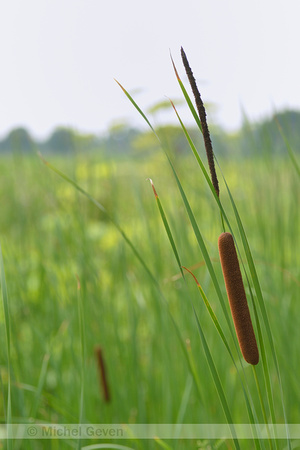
pixel 67 140
pixel 251 139
pixel 62 140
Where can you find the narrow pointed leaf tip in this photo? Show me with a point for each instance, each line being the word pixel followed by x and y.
pixel 119 85
pixel 172 103
pixel 185 268
pixel 202 116
pixel 175 70
pixel 154 190
pixel 42 158
pixel 78 282
pixel 135 105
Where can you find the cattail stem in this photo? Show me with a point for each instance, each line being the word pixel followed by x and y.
pixel 202 116
pixel 102 374
pixel 222 221
pixel 237 298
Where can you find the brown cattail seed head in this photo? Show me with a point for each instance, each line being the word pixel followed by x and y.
pixel 102 374
pixel 237 298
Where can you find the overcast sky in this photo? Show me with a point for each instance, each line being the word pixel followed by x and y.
pixel 59 59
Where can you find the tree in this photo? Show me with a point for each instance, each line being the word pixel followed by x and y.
pixel 18 140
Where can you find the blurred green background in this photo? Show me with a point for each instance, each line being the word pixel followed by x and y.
pixel 51 234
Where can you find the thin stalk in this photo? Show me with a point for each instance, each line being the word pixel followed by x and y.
pixel 263 407
pixel 83 355
pixel 288 147
pixel 8 348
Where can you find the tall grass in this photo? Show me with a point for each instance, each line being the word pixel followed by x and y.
pixel 158 337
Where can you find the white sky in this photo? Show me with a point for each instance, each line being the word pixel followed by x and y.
pixel 59 58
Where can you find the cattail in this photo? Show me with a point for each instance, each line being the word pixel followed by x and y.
pixel 237 298
pixel 202 116
pixel 102 374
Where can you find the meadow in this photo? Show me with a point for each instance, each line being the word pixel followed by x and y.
pixel 74 283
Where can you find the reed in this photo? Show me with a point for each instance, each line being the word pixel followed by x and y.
pixel 237 298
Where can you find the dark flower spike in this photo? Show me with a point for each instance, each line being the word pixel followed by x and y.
pixel 202 115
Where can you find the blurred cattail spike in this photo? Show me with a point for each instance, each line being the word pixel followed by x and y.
pixel 102 374
pixel 202 116
pixel 237 298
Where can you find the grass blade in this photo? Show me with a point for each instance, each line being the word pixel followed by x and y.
pixel 167 228
pixel 41 383
pixel 217 381
pixel 288 147
pixel 187 98
pixel 135 105
pixel 223 337
pixel 211 313
pixel 8 345
pixel 83 354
